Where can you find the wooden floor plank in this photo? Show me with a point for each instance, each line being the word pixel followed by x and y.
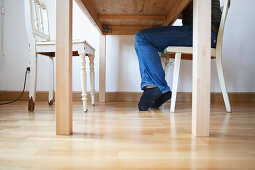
pixel 118 136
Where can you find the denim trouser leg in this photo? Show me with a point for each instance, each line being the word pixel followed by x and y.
pixel 150 41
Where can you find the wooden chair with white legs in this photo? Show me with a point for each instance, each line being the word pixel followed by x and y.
pixel 36 17
pixel 185 53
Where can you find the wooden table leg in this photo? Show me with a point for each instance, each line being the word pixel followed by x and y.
pixel 201 67
pixel 102 68
pixel 64 67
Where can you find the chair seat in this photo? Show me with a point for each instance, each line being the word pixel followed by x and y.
pixel 186 52
pixel 48 48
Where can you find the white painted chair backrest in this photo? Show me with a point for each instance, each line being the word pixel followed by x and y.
pixel 222 26
pixel 37 20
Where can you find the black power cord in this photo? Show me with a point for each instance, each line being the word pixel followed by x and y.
pixel 28 69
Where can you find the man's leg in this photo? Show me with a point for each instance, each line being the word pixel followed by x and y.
pixel 148 43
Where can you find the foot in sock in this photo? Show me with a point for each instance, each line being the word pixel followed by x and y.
pixel 148 97
pixel 162 99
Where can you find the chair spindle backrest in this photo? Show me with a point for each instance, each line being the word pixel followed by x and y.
pixel 37 20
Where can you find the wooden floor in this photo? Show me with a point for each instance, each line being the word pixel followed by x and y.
pixel 117 136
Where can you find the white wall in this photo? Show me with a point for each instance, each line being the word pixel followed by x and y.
pixel 1 36
pixel 122 65
pixel 15 46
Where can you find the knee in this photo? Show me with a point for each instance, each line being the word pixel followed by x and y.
pixel 139 36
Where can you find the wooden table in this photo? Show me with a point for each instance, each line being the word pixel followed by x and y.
pixel 123 17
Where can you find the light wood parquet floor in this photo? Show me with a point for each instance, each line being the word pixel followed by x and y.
pixel 117 136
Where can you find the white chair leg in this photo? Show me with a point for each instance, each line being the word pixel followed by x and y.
pixel 222 83
pixel 51 80
pixel 175 80
pixel 166 67
pixel 84 82
pixel 33 79
pixel 92 78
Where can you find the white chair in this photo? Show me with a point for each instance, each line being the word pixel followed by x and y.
pixel 185 53
pixel 36 17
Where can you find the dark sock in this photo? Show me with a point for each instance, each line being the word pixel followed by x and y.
pixel 162 99
pixel 149 95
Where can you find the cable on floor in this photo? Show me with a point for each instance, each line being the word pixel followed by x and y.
pixel 24 86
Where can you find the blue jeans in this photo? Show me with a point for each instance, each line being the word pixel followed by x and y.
pixel 149 42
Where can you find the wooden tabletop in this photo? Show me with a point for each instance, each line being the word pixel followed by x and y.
pixel 124 17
